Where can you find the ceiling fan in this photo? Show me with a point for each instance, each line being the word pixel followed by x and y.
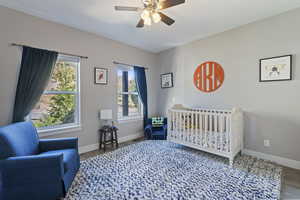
pixel 151 12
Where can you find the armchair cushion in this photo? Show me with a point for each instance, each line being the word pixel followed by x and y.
pixel 19 139
pixel 69 157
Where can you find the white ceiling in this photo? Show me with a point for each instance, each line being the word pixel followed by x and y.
pixel 194 20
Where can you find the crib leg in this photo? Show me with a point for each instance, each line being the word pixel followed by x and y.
pixel 231 162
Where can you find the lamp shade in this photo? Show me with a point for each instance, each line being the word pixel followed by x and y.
pixel 106 114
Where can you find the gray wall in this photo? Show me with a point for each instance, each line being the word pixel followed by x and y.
pixel 272 110
pixel 22 28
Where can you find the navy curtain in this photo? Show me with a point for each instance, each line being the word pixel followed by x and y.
pixel 141 83
pixel 36 68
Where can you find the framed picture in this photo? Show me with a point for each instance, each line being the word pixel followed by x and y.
pixel 166 80
pixel 275 69
pixel 101 76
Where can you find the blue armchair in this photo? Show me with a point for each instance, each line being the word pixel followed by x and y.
pixel 152 133
pixel 33 168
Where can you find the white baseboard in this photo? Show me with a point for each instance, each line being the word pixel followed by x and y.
pixel 88 148
pixel 92 147
pixel 276 159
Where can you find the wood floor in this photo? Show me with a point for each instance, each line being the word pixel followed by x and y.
pixel 290 180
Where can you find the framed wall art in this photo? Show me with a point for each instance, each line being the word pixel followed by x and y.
pixel 166 80
pixel 101 76
pixel 275 69
pixel 213 81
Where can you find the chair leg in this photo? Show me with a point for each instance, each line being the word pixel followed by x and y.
pixel 104 141
pixel 116 137
pixel 100 143
pixel 112 138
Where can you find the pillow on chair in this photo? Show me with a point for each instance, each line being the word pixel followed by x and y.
pixel 157 121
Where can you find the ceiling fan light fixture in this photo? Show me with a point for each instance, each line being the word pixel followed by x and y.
pixel 148 21
pixel 159 6
pixel 145 14
pixel 151 11
pixel 156 17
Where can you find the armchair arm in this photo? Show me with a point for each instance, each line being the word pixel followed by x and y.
pixel 57 144
pixel 148 131
pixel 165 127
pixel 27 170
pixel 148 127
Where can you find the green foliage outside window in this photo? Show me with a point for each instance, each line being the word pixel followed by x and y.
pixel 62 106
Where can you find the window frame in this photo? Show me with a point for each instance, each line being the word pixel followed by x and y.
pixel 62 128
pixel 137 117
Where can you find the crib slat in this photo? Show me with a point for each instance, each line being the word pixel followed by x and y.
pixel 180 125
pixel 201 128
pixel 192 128
pixel 205 129
pixel 215 131
pixel 227 133
pixel 221 131
pixel 212 130
pixel 223 122
pixel 185 126
pixel 197 128
pixel 189 126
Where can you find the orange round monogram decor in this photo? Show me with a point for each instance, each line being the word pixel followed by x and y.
pixel 209 76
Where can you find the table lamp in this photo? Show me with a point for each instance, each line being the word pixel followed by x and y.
pixel 106 115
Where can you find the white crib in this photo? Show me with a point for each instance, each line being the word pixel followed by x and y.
pixel 215 131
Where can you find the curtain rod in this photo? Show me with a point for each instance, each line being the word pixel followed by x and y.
pixel 118 63
pixel 68 54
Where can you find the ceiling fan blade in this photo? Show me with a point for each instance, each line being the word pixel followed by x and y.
pixel 167 20
pixel 170 3
pixel 140 24
pixel 126 8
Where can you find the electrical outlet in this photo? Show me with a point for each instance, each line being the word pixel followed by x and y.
pixel 267 143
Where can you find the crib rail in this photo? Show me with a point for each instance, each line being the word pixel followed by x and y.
pixel 206 129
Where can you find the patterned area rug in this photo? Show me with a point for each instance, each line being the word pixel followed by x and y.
pixel 163 170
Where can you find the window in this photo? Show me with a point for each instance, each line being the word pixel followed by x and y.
pixel 129 104
pixel 59 105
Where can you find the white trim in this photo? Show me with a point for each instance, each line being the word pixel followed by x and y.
pixel 59 130
pixel 70 127
pixel 88 148
pixel 92 147
pixel 276 159
pixel 130 137
pixel 129 119
pixel 139 115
